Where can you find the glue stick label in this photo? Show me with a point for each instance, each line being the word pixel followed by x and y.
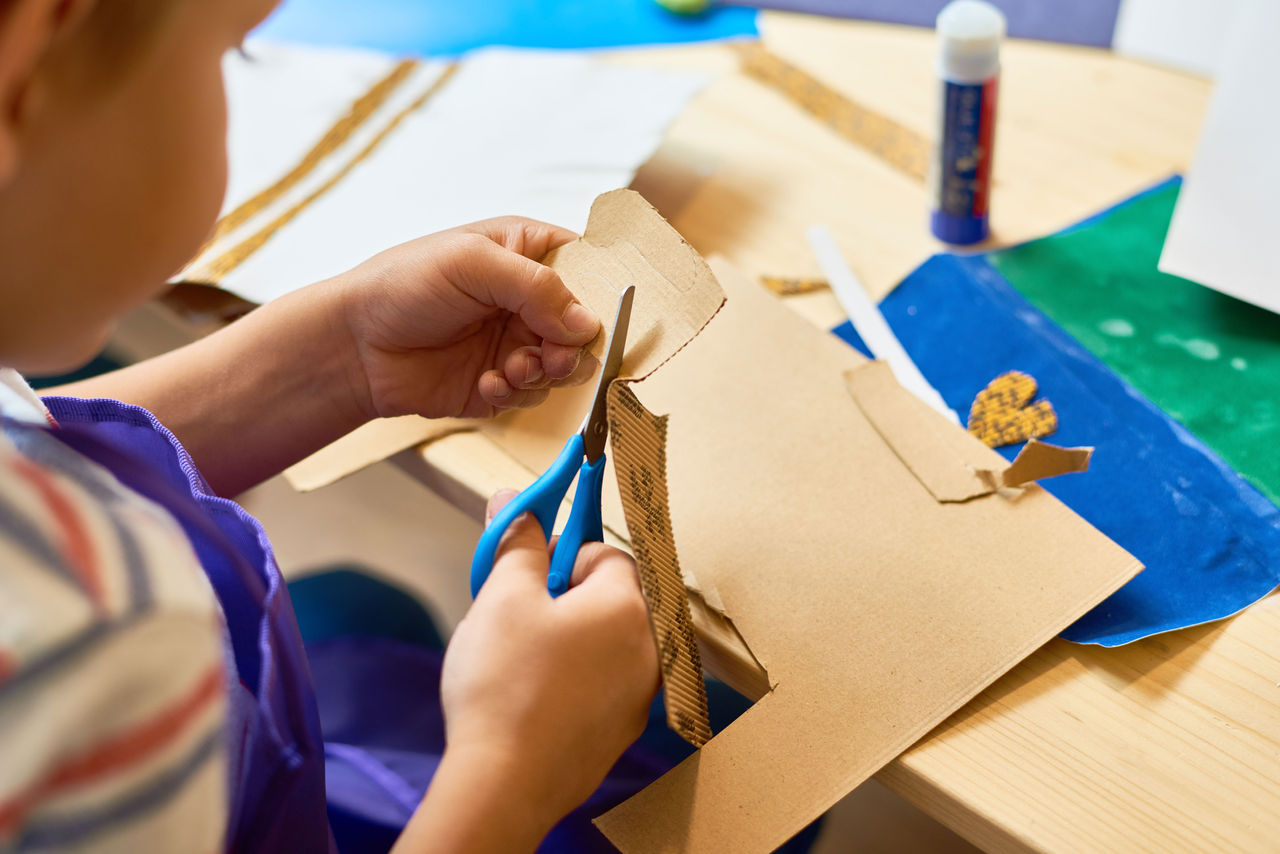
pixel 962 167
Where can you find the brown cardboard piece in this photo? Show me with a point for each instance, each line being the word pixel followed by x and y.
pixel 1039 460
pixel 639 441
pixel 367 445
pixel 954 465
pixel 876 609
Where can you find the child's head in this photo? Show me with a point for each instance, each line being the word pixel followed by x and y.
pixel 112 160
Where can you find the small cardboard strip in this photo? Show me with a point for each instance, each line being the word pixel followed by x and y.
pixel 367 445
pixel 953 466
pixel 640 454
pixel 1039 460
pixel 915 433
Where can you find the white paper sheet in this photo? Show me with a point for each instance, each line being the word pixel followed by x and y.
pixel 534 133
pixel 1227 218
pixel 283 98
pixel 1185 34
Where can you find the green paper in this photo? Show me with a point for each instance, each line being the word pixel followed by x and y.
pixel 1211 361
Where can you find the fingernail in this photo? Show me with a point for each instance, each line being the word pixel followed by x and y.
pixel 501 389
pixel 497 501
pixel 533 371
pixel 579 318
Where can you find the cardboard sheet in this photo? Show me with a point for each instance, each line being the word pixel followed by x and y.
pixel 1224 227
pixel 875 609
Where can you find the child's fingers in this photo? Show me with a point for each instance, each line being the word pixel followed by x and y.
pixel 521 560
pixel 530 237
pixel 496 502
pixel 606 564
pixel 586 369
pixel 496 276
pixel 560 360
pixel 496 391
pixel 523 368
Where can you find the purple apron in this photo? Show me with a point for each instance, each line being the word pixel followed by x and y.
pixel 275 750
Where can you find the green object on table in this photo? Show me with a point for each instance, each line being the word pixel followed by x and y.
pixel 1211 361
pixel 685 7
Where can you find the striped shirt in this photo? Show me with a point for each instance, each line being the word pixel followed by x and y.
pixel 112 677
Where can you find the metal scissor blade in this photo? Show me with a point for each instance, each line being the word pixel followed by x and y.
pixel 596 428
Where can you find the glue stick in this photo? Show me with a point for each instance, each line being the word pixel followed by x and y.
pixel 969 34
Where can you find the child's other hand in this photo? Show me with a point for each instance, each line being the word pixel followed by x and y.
pixel 547 693
pixel 465 322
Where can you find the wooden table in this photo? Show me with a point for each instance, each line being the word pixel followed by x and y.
pixel 1169 744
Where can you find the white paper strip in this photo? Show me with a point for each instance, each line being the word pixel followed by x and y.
pixel 869 322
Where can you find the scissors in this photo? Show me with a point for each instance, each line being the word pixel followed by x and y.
pixel 544 496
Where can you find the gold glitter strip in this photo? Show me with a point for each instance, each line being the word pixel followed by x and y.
pixel 900 147
pixel 786 286
pixel 216 270
pixel 360 111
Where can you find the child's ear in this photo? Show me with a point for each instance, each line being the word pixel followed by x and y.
pixel 27 29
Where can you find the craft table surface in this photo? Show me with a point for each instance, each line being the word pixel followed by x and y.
pixel 1169 744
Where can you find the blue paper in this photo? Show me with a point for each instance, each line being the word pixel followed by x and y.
pixel 448 28
pixel 1209 540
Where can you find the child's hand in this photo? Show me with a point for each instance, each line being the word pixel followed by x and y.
pixel 465 322
pixel 541 696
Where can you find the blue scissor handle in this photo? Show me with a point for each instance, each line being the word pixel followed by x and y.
pixel 542 499
pixel 584 526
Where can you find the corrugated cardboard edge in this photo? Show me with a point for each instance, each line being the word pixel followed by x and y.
pixel 639 441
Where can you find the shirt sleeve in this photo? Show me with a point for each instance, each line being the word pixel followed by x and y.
pixel 112 676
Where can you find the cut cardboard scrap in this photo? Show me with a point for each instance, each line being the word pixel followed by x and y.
pixel 640 455
pixel 1003 413
pixel 368 444
pixel 875 609
pixel 918 435
pixel 1038 461
pixel 953 465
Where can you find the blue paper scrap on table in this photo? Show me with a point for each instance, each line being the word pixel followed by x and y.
pixel 1209 540
pixel 449 28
